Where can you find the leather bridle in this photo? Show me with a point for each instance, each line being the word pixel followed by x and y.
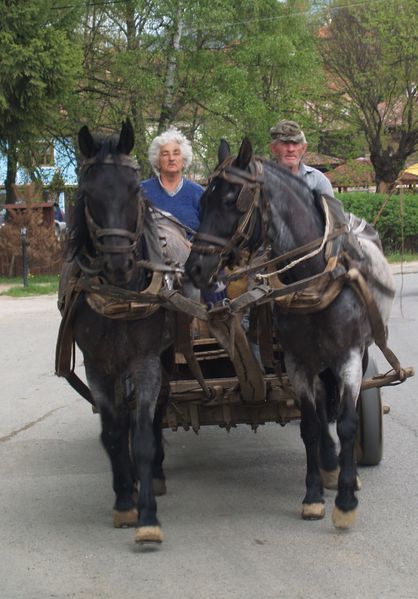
pixel 248 203
pixel 97 233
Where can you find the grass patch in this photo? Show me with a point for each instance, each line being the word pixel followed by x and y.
pixel 397 257
pixel 37 285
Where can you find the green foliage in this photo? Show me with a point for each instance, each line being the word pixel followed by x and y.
pixel 215 68
pixel 397 221
pixel 345 143
pixel 370 51
pixel 38 67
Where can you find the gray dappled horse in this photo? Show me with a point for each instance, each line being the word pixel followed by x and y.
pixel 325 351
pixel 108 238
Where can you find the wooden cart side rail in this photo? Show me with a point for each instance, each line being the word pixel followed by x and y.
pixel 390 378
pixel 277 388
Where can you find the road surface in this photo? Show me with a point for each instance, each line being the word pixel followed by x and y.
pixel 232 513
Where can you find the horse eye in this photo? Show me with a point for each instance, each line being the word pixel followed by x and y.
pixel 230 198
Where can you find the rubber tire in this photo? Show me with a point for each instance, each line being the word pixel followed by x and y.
pixel 369 443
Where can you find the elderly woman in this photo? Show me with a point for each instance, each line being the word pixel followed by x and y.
pixel 170 154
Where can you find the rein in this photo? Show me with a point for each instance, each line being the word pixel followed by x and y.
pixel 248 201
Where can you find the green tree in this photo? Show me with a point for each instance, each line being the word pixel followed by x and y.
pixel 215 68
pixel 38 68
pixel 370 52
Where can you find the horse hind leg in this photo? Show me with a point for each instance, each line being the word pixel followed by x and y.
pixel 158 476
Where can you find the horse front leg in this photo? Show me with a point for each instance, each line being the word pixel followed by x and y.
pixel 326 401
pixel 345 509
pixel 115 440
pixel 310 430
pixel 147 384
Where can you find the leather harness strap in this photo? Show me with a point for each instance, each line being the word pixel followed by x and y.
pixel 65 348
pixel 359 283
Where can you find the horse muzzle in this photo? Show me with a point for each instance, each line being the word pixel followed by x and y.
pixel 202 272
pixel 119 269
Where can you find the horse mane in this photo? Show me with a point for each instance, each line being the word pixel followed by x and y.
pixel 293 182
pixel 78 236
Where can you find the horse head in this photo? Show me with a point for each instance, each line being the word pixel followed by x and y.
pixel 110 212
pixel 230 219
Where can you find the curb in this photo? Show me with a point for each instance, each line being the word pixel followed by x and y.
pixel 404 268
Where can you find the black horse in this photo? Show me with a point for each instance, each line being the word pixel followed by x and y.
pixel 246 207
pixel 107 241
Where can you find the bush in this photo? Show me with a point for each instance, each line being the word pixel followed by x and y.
pixel 45 251
pixel 399 217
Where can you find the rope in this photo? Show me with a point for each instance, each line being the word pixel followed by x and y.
pixel 310 254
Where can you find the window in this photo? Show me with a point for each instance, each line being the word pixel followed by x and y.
pixel 44 154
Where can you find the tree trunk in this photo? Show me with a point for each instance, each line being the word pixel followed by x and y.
pixel 388 163
pixel 166 116
pixel 10 181
pixel 384 187
pixel 138 122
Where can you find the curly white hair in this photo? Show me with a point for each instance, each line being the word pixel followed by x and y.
pixel 172 135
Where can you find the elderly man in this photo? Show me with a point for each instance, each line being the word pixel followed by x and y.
pixel 289 147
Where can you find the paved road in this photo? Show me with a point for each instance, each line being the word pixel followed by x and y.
pixel 231 516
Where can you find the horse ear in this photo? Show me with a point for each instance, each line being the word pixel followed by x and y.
pixel 86 143
pixel 223 151
pixel 126 138
pixel 244 155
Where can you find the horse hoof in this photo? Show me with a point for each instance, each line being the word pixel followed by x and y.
pixel 330 478
pixel 149 534
pixel 125 519
pixel 159 487
pixel 343 520
pixel 313 511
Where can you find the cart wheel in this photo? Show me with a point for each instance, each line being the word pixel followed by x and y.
pixel 369 443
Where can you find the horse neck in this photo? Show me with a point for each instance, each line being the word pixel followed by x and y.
pixel 294 220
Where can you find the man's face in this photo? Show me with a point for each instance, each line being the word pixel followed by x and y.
pixel 288 153
pixel 171 160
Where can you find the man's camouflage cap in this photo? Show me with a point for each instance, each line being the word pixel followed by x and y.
pixel 288 131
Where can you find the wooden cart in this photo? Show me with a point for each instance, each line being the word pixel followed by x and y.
pixel 241 393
